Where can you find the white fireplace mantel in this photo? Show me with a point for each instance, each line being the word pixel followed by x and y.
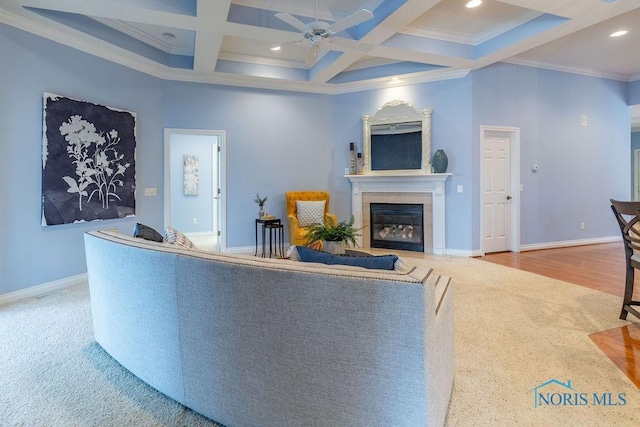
pixel 407 182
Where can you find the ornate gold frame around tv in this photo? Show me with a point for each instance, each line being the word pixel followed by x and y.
pixel 394 113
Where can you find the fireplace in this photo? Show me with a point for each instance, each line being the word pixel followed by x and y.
pixel 402 188
pixel 397 226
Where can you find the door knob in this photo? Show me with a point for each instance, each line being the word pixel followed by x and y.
pixel 509 197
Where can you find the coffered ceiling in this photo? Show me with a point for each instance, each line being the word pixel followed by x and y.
pixel 406 41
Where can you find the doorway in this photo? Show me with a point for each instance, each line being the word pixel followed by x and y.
pixel 194 184
pixel 500 189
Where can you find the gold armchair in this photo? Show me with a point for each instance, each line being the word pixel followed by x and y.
pixel 297 234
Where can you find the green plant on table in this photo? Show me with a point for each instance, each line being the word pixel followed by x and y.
pixel 332 232
pixel 260 201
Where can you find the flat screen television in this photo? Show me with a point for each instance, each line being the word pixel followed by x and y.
pixel 397 146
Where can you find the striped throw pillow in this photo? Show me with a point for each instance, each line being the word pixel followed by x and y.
pixel 174 237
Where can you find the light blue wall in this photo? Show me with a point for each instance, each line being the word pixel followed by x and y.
pixel 581 167
pixel 634 92
pixel 29 65
pixel 276 142
pixel 451 131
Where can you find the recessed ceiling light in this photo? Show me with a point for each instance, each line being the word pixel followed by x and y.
pixel 474 3
pixel 619 33
pixel 275 48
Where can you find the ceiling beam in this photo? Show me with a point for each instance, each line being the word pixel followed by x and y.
pixel 211 17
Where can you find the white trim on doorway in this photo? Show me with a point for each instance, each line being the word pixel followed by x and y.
pixel 513 133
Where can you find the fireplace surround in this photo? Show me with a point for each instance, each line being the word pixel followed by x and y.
pixel 402 187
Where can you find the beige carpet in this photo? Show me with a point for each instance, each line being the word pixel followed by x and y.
pixel 514 331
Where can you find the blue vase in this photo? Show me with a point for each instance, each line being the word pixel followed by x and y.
pixel 440 162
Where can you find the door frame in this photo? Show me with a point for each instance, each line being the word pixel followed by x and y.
pixel 513 134
pixel 222 178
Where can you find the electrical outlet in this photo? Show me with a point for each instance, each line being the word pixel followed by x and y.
pixel 582 226
pixel 583 120
pixel 195 220
pixel 150 191
pixel 459 188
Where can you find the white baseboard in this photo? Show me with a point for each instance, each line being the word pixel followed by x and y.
pixel 568 243
pixel 461 252
pixel 45 288
pixel 539 246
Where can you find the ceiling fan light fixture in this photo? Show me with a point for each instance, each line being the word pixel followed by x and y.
pixel 619 33
pixel 322 35
pixel 473 3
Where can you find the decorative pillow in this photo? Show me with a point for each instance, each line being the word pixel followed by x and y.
pixel 379 262
pixel 174 237
pixel 310 212
pixel 145 232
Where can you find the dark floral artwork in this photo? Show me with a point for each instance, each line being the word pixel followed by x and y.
pixel 88 161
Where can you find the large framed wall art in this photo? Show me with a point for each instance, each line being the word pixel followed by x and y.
pixel 88 161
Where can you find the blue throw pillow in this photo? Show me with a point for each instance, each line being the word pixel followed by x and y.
pixel 380 262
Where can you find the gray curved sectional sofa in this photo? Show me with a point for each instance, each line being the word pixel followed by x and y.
pixel 250 341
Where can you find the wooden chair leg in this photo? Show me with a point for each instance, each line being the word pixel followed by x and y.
pixel 628 292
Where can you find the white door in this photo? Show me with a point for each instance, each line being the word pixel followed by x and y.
pixel 496 193
pixel 194 182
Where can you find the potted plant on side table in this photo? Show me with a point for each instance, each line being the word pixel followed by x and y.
pixel 335 238
pixel 260 201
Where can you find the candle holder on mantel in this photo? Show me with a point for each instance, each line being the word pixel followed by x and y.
pixel 352 155
pixel 360 164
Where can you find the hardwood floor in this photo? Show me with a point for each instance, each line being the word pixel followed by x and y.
pixel 622 346
pixel 600 267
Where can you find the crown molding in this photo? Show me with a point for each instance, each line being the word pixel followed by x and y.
pixel 469 39
pixel 572 70
pixel 144 37
pixel 404 80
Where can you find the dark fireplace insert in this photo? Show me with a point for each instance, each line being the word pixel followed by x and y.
pixel 397 226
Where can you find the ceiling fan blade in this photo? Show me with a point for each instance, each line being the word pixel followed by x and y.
pixel 312 55
pixel 293 21
pixel 351 44
pixel 351 20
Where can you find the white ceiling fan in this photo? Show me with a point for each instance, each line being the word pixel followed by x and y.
pixel 321 35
